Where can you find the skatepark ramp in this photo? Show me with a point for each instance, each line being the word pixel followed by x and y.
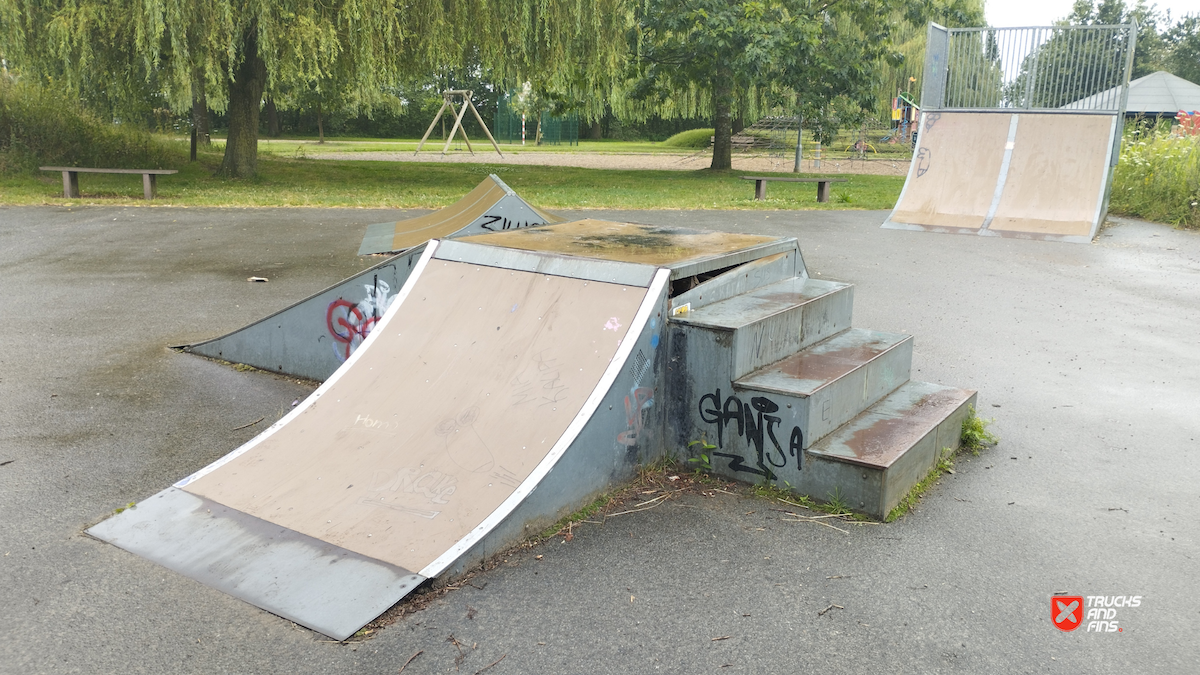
pixel 517 375
pixel 314 336
pixel 491 207
pixel 1004 147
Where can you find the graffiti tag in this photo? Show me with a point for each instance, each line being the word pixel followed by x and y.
pixel 350 323
pixel 756 424
pixel 637 402
pixel 500 223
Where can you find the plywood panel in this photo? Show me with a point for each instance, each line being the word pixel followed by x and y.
pixel 440 418
pixel 1056 175
pixel 450 219
pixel 953 177
pixel 624 242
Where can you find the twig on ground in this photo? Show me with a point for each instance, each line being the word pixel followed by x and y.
pixel 818 522
pixel 490 664
pixel 723 637
pixel 644 506
pixel 248 425
pixel 831 606
pixel 410 660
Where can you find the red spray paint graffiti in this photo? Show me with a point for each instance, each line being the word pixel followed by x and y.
pixel 349 323
pixel 643 398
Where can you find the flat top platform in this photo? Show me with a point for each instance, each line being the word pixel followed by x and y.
pixel 672 247
pixel 83 169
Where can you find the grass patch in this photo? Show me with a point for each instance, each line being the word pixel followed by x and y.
pixel 693 138
pixel 1158 177
pixel 367 184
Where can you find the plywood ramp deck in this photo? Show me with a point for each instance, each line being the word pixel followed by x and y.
pixel 953 175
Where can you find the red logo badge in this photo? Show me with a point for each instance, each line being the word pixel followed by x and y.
pixel 1066 611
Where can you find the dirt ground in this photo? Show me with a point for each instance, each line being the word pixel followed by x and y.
pixel 669 162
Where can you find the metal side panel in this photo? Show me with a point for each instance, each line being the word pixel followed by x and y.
pixel 589 269
pixel 313 583
pixel 315 336
pixel 753 275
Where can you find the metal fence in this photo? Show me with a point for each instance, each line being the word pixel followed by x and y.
pixel 1074 68
pixel 540 129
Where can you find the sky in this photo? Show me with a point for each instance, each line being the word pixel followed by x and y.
pixel 1001 13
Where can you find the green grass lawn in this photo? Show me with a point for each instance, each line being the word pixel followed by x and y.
pixel 285 181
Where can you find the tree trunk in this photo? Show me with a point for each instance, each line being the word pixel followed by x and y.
pixel 739 123
pixel 200 112
pixel 722 87
pixel 596 131
pixel 245 98
pixel 320 127
pixel 272 118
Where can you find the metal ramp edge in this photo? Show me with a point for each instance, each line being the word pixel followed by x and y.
pixel 334 590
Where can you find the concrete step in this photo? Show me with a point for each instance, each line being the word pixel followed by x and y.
pixel 832 381
pixel 876 458
pixel 772 322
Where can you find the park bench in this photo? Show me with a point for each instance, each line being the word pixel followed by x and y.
pixel 70 176
pixel 760 185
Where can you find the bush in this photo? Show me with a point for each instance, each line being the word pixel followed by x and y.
pixel 41 126
pixel 695 138
pixel 1158 177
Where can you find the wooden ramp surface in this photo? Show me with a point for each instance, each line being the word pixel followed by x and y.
pixel 1021 174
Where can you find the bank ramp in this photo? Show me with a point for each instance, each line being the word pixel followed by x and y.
pixel 1020 130
pixel 491 207
pixel 472 388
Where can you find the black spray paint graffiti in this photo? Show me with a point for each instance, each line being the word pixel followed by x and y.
pixel 500 223
pixel 757 425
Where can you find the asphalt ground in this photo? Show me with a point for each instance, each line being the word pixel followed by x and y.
pixel 1087 356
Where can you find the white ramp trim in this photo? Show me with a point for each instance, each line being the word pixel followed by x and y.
pixel 640 319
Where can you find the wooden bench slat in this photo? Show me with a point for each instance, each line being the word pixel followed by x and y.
pixel 70 176
pixel 760 185
pixel 83 169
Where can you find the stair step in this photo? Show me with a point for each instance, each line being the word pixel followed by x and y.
pixel 776 320
pixel 831 382
pixel 893 444
pixel 742 279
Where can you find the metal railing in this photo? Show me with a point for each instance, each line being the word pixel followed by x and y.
pixel 1068 68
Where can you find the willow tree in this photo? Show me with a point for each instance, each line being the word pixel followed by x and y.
pixel 240 50
pixel 739 54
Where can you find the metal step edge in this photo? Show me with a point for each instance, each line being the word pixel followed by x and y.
pixel 741 383
pixel 963 397
pixel 699 322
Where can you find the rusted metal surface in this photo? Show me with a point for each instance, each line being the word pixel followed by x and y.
pixel 491 207
pixel 806 372
pixel 831 382
pixel 878 437
pixel 685 252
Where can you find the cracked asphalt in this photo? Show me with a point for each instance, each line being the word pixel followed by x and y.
pixel 1087 356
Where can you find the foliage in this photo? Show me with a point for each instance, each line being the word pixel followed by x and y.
pixel 349 51
pixel 694 138
pixel 1158 177
pixel 975 435
pixel 731 58
pixel 702 462
pixel 45 126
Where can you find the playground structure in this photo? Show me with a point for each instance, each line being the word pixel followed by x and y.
pixel 518 374
pixel 448 102
pixel 1006 144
